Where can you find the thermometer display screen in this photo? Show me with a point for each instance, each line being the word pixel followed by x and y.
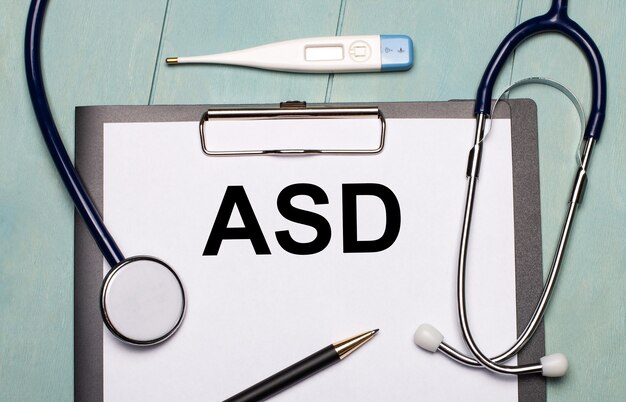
pixel 323 53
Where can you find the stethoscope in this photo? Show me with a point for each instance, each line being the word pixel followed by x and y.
pixel 142 299
pixel 429 338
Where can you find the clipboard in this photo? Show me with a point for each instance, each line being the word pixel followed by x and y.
pixel 90 123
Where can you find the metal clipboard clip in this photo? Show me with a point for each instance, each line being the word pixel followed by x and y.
pixel 293 110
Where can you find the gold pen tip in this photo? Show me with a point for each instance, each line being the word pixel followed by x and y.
pixel 347 346
pixel 172 60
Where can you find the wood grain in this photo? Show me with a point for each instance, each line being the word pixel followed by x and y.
pixel 93 53
pixel 586 318
pixel 112 53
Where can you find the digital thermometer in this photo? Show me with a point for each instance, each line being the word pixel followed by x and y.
pixel 334 54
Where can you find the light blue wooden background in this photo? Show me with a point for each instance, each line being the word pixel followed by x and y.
pixel 111 52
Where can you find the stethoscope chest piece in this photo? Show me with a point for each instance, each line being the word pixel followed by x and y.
pixel 142 301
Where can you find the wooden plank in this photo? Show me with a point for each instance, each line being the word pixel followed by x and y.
pixel 93 53
pixel 198 27
pixel 586 318
pixel 452 44
pixel 105 53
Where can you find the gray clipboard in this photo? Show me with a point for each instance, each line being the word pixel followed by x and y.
pixel 88 327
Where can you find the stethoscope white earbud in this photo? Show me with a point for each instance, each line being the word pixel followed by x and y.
pixel 554 365
pixel 429 338
pixel 142 301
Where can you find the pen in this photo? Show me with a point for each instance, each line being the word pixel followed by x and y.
pixel 302 369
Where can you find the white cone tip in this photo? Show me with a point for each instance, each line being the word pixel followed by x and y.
pixel 554 365
pixel 428 337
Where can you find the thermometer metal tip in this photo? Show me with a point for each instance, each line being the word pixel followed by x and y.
pixel 333 54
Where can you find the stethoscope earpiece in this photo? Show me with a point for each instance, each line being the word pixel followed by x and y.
pixel 142 301
pixel 554 365
pixel 428 337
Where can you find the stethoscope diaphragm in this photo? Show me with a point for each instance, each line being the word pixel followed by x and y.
pixel 142 301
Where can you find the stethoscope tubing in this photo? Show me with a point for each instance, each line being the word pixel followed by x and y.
pixel 461 300
pixel 535 319
pixel 481 360
pixel 72 181
pixel 555 20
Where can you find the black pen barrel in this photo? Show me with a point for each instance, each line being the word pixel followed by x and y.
pixel 288 377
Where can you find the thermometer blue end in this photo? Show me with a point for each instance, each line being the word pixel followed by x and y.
pixel 396 52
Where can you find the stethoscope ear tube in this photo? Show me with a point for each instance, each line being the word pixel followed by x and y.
pixel 427 337
pixel 555 20
pixel 64 165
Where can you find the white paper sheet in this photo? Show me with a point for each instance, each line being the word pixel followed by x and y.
pixel 250 315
